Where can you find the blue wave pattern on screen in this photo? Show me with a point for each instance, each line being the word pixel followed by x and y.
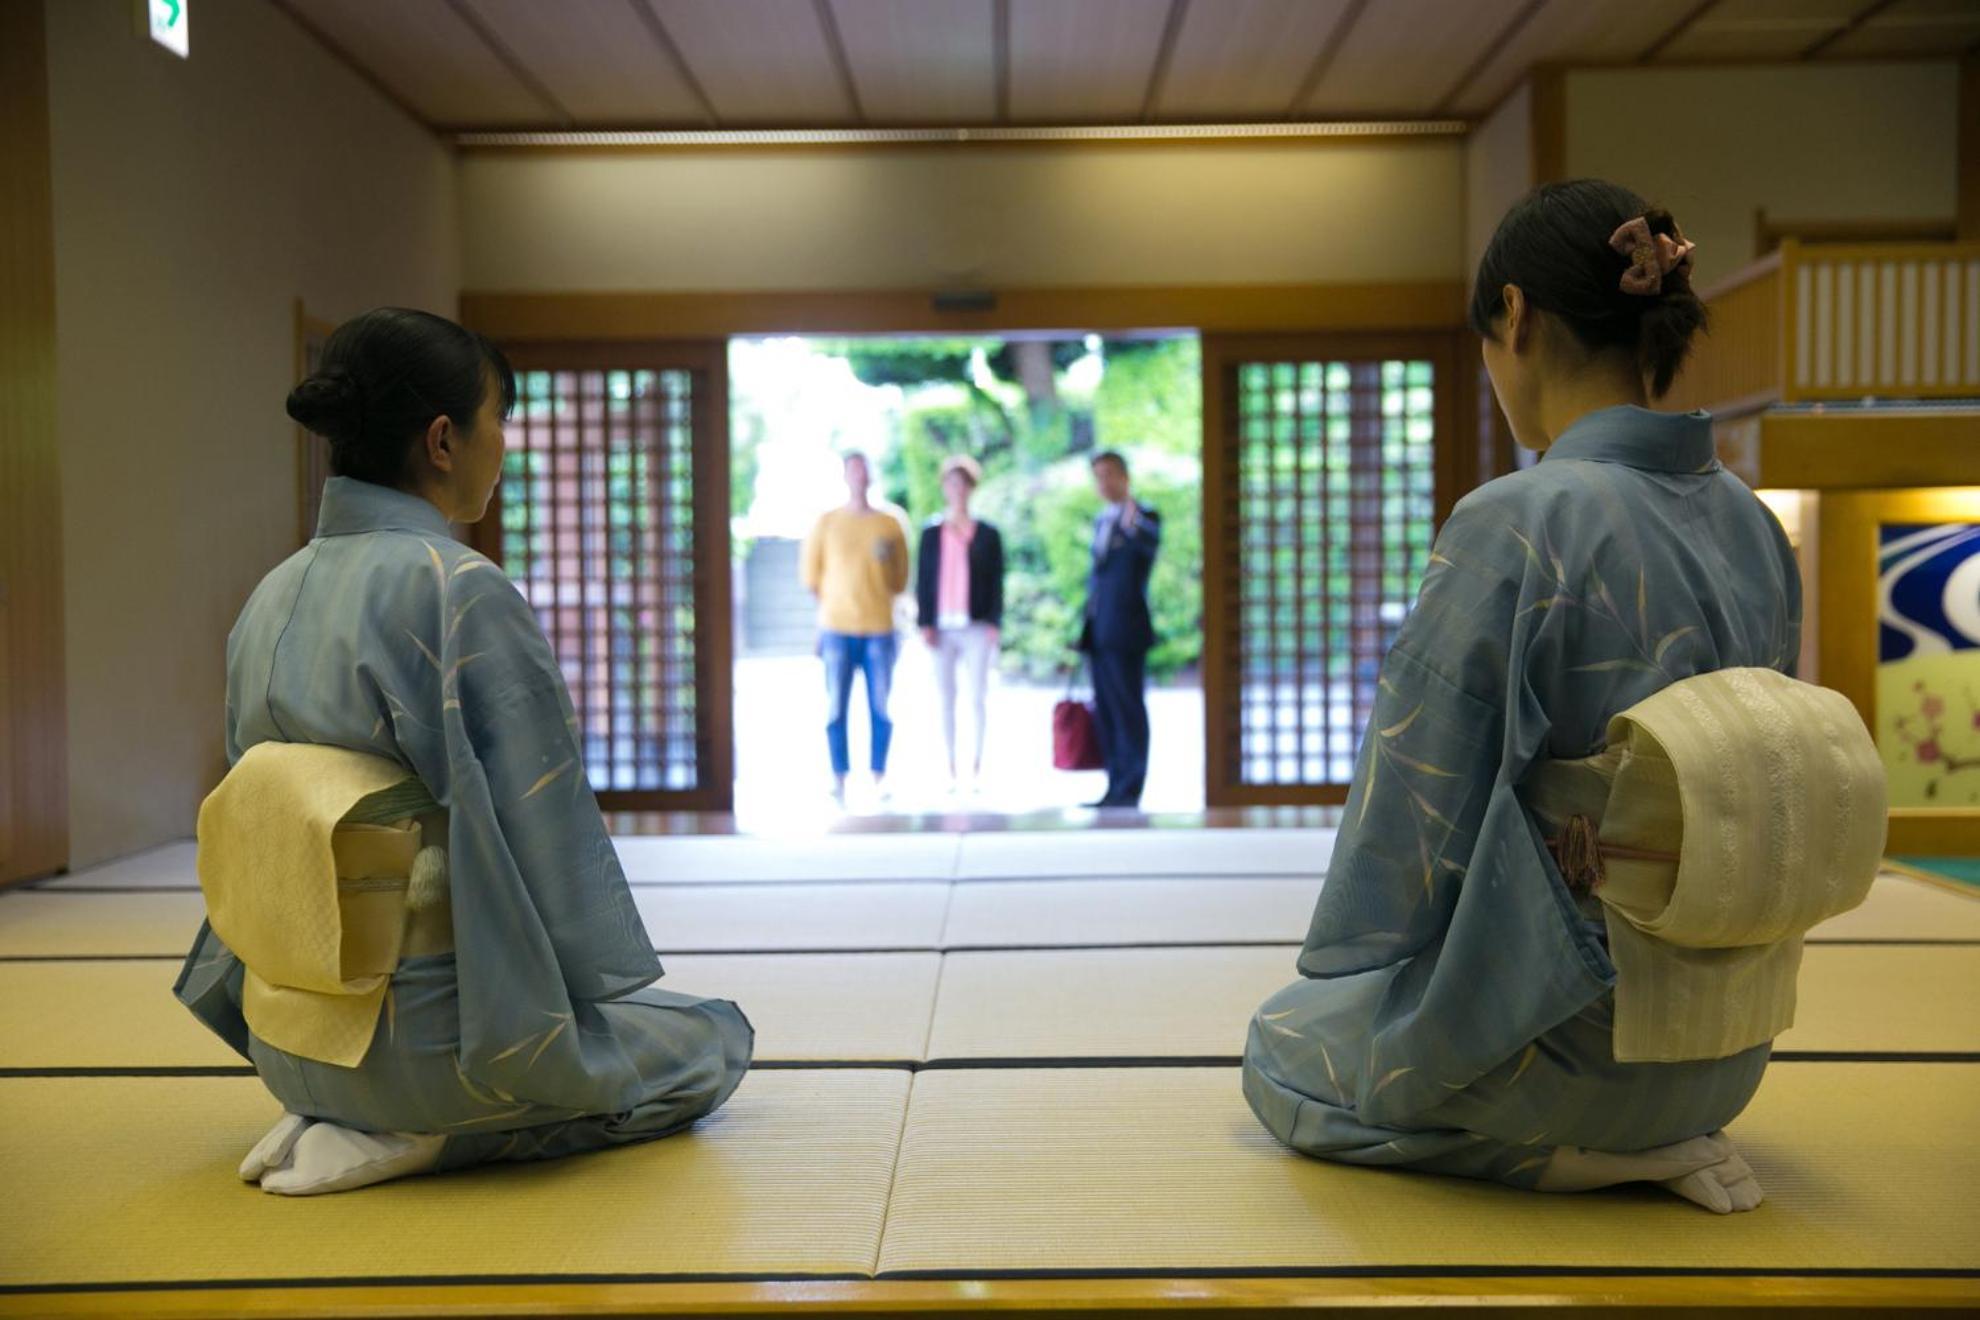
pixel 1928 589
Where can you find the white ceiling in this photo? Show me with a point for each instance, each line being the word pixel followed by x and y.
pixel 740 64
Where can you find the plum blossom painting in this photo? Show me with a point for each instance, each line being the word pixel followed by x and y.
pixel 1928 662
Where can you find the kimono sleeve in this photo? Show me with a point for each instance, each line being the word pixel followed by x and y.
pixel 522 800
pixel 1429 756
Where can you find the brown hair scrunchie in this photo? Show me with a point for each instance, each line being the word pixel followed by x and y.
pixel 1651 256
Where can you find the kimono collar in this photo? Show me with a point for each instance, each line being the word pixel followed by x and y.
pixel 351 506
pixel 1640 438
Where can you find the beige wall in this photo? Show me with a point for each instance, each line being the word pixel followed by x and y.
pixel 1498 171
pixel 1003 216
pixel 194 201
pixel 1810 142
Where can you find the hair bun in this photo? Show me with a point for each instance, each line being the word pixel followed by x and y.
pixel 330 404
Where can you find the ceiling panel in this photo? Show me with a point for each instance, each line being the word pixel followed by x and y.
pixel 1082 61
pixel 760 61
pixel 1573 31
pixel 429 57
pixel 599 58
pixel 1761 29
pixel 1404 56
pixel 1244 59
pixel 1914 27
pixel 922 61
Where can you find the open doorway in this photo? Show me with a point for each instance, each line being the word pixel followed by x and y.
pixel 1032 410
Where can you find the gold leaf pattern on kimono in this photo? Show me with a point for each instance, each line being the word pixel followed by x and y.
pixel 1327 1059
pixel 1664 643
pixel 564 1020
pixel 1525 1062
pixel 1388 1077
pixel 1606 666
pixel 1396 729
pixel 455 625
pixel 1531 1162
pixel 1423 767
pixel 424 650
pixel 548 778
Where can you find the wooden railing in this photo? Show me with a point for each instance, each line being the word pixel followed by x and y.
pixel 1812 323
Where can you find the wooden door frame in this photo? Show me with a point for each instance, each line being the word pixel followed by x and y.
pixel 1421 318
pixel 714 647
pixel 1455 463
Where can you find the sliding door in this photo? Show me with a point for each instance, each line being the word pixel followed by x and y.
pixel 612 519
pixel 1328 463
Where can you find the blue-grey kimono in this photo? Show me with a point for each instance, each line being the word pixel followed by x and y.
pixel 535 1036
pixel 1457 1012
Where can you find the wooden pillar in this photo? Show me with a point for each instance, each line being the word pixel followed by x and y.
pixel 34 774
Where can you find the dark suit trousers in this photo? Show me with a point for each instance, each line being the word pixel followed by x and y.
pixel 1120 707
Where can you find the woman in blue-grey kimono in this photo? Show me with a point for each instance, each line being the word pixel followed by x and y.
pixel 1458 1006
pixel 521 1028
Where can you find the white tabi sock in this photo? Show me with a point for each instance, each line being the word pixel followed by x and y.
pixel 328 1158
pixel 1706 1171
pixel 272 1151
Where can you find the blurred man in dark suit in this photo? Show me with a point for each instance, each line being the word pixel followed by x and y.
pixel 1119 633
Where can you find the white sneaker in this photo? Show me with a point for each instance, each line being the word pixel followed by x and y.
pixel 328 1158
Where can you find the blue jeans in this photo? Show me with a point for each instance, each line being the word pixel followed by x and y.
pixel 873 655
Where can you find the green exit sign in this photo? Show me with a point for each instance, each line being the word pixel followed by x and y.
pixel 168 25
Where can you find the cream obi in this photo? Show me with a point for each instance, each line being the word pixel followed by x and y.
pixel 1729 813
pixel 316 874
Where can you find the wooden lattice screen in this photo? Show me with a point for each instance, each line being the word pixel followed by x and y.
pixel 612 520
pixel 1328 463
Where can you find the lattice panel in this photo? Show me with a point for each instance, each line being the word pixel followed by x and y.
pixel 1334 475
pixel 598 531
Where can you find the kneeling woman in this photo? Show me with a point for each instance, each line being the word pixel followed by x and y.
pixel 1611 632
pixel 418 929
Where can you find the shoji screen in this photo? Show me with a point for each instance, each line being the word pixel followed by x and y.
pixel 612 519
pixel 1328 462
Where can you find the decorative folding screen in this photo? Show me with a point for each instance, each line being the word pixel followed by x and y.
pixel 1326 469
pixel 612 521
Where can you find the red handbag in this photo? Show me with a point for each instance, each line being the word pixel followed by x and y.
pixel 1075 739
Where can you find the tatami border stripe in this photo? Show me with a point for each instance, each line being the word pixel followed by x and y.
pixel 850 951
pixel 961 1275
pixel 985 1063
pixel 776 882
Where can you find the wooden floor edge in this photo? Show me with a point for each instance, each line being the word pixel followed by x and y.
pixel 1508 1294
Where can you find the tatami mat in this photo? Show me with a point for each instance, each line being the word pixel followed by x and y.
pixel 1093 1003
pixel 1145 853
pixel 39 923
pixel 169 867
pixel 722 859
pixel 724 918
pixel 1901 998
pixel 101 1015
pixel 1085 1003
pixel 1196 1003
pixel 1866 1166
pixel 821 1006
pixel 116 1180
pixel 1001 913
pixel 804 1006
pixel 1903 909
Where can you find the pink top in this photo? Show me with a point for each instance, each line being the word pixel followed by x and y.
pixel 952 586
